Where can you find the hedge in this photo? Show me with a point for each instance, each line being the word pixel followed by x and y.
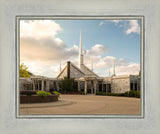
pixel 126 94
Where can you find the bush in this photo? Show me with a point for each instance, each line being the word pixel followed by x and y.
pixel 133 94
pixel 109 94
pixel 138 94
pixel 43 93
pixel 126 94
pixel 57 93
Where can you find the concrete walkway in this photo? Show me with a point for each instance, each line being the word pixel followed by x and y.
pixel 84 104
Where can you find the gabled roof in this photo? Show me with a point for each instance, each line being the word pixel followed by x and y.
pixel 62 71
pixel 87 71
pixel 71 70
pixel 77 68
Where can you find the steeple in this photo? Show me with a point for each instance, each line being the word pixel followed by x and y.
pixel 80 52
pixel 80 44
pixel 114 68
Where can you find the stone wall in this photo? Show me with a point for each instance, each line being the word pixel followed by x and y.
pixel 23 82
pixel 107 80
pixel 120 85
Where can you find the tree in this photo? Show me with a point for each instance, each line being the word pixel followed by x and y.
pixel 24 71
pixel 139 73
pixel 67 84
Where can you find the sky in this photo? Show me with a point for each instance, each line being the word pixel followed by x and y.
pixel 44 44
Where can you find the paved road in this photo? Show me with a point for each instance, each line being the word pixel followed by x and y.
pixel 84 104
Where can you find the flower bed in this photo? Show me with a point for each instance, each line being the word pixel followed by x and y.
pixel 27 92
pixel 38 99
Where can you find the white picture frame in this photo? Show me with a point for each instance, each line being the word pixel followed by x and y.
pixel 10 121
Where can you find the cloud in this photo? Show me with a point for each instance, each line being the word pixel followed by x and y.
pixel 39 28
pixel 102 65
pixel 134 27
pixel 45 49
pixel 37 42
pixel 131 68
pixel 116 21
pixel 101 23
pixel 97 49
pixel 130 26
pixel 105 62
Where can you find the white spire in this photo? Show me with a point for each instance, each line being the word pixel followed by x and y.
pixel 109 72
pixel 80 52
pixel 114 68
pixel 80 44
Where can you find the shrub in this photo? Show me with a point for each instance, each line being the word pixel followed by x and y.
pixel 138 94
pixel 133 94
pixel 67 84
pixel 43 93
pixel 57 93
pixel 110 94
pixel 126 94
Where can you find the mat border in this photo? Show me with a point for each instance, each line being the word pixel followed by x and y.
pixel 81 17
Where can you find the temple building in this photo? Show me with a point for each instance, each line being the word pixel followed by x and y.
pixel 86 79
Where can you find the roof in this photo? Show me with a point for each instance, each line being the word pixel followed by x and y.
pixel 88 72
pixel 76 72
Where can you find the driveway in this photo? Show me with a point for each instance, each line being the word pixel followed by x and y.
pixel 84 105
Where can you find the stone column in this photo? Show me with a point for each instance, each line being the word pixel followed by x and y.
pixel 38 85
pixel 85 87
pixel 94 87
pixel 47 85
pixel 79 89
pixel 33 85
pixel 42 85
pixel 57 86
pixel 91 87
